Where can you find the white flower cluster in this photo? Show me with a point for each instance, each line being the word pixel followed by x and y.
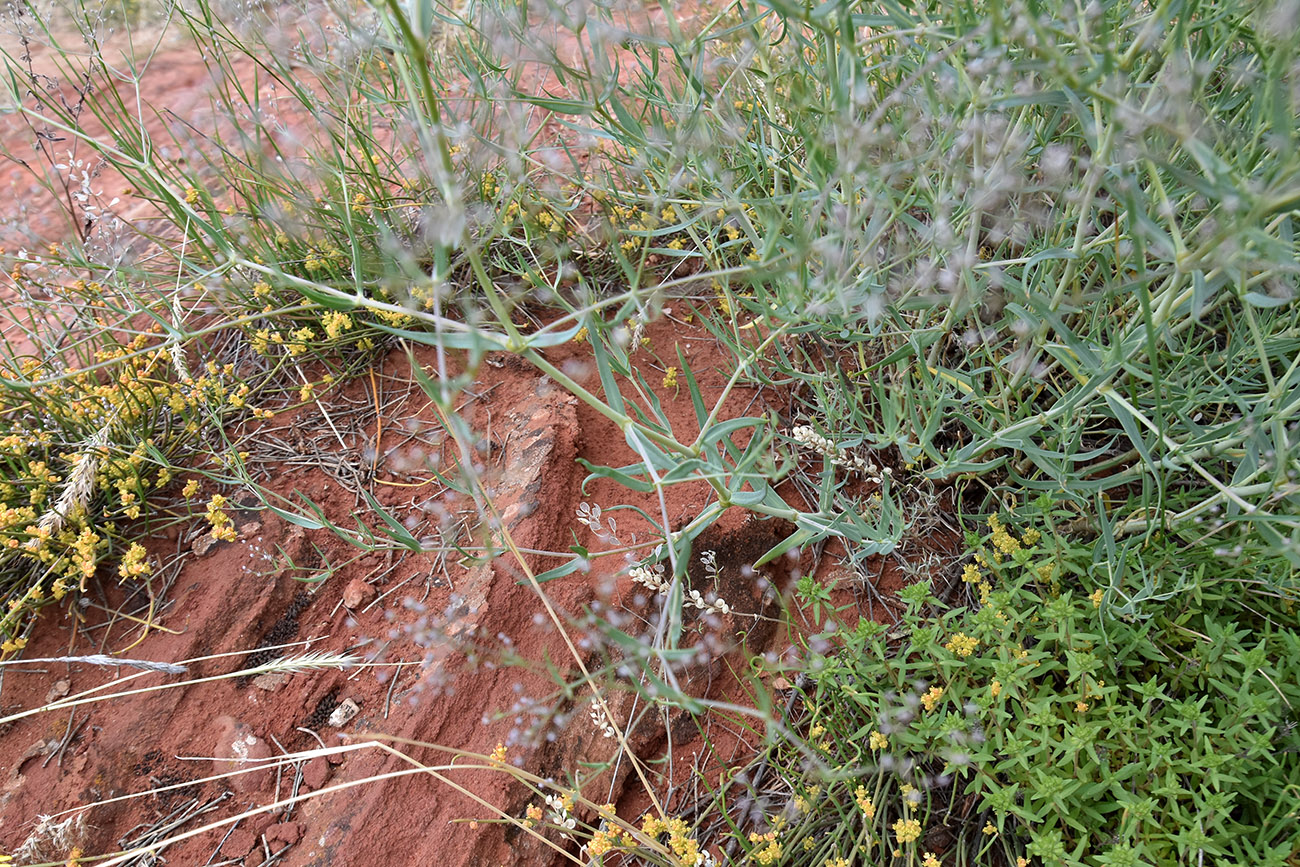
pixel 602 722
pixel 560 815
pixel 805 436
pixel 652 578
pixel 605 527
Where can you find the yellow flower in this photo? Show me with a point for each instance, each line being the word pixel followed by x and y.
pixel 989 829
pixel 191 488
pixel 135 562
pixel 1081 706
pixel 767 850
pixel 191 196
pixel 995 688
pixel 499 754
pixel 970 573
pixel 336 323
pixel 931 697
pixel 961 644
pixel 865 804
pixel 1096 597
pixel 930 860
pixel 533 815
pixel 1003 541
pixel 878 741
pixel 602 842
pixel 907 830
pixel 670 378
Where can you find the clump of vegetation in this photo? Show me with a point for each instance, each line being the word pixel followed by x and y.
pixel 992 253
pixel 1030 724
pixel 86 450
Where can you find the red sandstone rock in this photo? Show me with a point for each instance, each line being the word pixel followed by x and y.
pixel 285 833
pixel 316 774
pixel 357 593
pixel 237 748
pixel 225 607
pixel 239 843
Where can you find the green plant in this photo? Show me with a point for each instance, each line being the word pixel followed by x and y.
pixel 1008 250
pixel 1035 724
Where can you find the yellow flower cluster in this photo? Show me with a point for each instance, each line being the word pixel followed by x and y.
pixel 394 318
pixel 1003 542
pixel 318 259
pixel 135 562
pixel 907 830
pixel 961 644
pixel 931 697
pixel 335 323
pixel 69 471
pixel 602 843
pixel 684 847
pixel 768 848
pixel 878 741
pixel 223 527
pixel 865 803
